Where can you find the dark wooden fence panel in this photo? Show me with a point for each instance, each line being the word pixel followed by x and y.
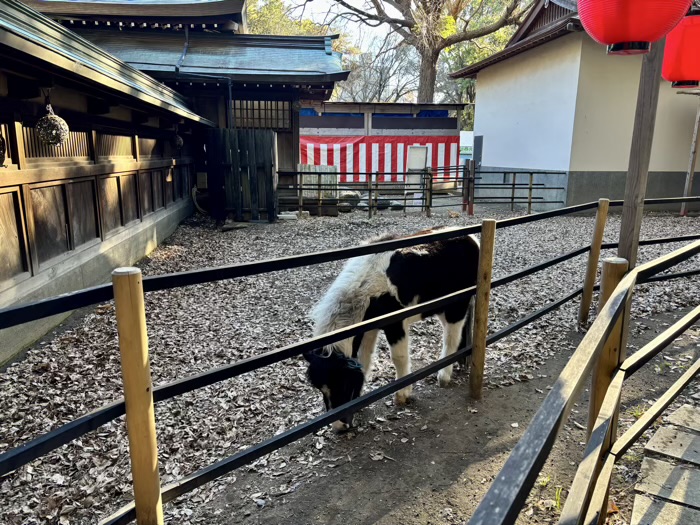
pixel 145 193
pixel 12 250
pixel 50 228
pixel 109 199
pixel 157 181
pixel 82 211
pixel 129 198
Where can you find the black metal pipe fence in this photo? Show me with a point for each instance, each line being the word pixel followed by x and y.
pixel 13 316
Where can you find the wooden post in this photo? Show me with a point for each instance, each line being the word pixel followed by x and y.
pixel 320 196
pixel 16 140
pixel 138 394
pixel 691 163
pixel 376 193
pixel 529 194
pixel 512 192
pixel 465 185
pixel 300 184
pixel 135 151
pixel 601 217
pixel 428 193
pixel 472 186
pixel 481 310
pixel 614 269
pixel 369 194
pixel 640 152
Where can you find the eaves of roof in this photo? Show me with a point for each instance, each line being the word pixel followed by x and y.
pixel 183 9
pixel 26 30
pixel 246 58
pixel 557 30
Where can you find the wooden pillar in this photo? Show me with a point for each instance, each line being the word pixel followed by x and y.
pixel 481 313
pixel 614 269
pixel 17 145
pixel 472 185
pixel 92 145
pixel 138 394
pixel 691 163
pixel 593 256
pixel 640 152
pixel 529 193
pixel 512 192
pixel 135 148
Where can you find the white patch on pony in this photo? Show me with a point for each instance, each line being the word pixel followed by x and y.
pixel 348 298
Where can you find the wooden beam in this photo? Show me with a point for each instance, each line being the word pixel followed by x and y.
pixel 614 269
pixel 691 163
pixel 138 393
pixel 481 313
pixel 97 106
pixel 640 152
pixel 601 217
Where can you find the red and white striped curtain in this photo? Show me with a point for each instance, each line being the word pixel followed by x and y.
pixel 356 156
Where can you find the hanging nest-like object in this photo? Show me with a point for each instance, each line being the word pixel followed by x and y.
pixel 178 142
pixel 52 129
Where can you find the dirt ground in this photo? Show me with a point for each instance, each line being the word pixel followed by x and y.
pixel 432 463
pixel 429 462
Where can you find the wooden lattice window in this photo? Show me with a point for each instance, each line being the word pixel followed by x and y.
pixel 263 114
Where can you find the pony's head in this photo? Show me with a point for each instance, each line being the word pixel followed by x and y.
pixel 338 377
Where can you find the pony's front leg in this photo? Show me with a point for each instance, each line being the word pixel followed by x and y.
pixel 366 352
pixel 397 336
pixel 451 336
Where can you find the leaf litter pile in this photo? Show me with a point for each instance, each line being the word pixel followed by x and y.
pixel 76 369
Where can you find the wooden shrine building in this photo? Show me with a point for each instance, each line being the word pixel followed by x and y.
pixel 201 50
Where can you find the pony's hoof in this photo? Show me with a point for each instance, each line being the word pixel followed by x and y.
pixel 401 397
pixel 444 378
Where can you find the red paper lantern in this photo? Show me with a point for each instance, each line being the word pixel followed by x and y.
pixel 682 54
pixel 628 27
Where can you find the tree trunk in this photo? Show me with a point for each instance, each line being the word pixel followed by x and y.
pixel 428 75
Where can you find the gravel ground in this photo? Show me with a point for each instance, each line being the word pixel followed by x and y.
pixel 76 369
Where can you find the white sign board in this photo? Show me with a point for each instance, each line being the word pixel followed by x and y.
pixel 417 158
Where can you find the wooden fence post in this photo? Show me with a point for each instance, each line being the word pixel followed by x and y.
pixel 529 193
pixel 481 310
pixel 512 192
pixel 472 185
pixel 138 394
pixel 614 269
pixel 369 194
pixel 428 193
pixel 465 185
pixel 601 217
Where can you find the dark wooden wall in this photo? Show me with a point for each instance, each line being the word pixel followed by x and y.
pixel 57 201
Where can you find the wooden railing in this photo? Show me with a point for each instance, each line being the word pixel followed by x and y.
pixel 602 351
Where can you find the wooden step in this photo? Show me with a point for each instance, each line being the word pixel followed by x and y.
pixel 676 483
pixel 686 416
pixel 649 511
pixel 676 443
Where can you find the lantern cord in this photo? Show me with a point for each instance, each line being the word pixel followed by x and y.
pixel 47 100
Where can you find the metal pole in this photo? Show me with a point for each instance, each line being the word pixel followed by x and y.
pixel 691 164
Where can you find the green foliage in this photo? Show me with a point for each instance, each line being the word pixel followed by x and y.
pixel 274 17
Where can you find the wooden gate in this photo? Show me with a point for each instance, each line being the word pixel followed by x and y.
pixel 242 173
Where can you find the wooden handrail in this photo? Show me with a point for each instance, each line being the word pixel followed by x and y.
pixel 505 498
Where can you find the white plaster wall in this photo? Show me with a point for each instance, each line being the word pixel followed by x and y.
pixel 605 108
pixel 525 107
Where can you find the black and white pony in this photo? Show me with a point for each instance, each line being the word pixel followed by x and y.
pixel 378 284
